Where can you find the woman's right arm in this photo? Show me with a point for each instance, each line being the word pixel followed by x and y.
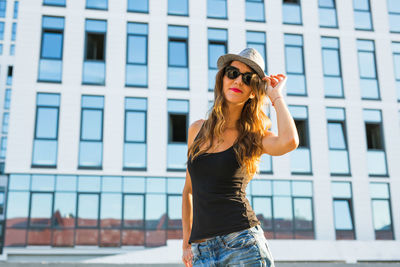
pixel 187 202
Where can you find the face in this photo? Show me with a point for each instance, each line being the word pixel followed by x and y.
pixel 235 90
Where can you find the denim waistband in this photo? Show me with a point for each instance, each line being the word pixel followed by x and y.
pixel 219 241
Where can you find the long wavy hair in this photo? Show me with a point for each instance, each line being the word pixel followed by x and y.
pixel 251 126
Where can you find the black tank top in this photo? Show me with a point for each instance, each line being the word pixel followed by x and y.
pixel 220 205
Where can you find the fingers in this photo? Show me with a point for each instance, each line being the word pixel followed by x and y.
pixel 273 80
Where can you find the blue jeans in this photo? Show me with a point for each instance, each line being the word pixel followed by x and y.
pixel 243 248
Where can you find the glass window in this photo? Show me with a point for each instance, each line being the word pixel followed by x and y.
pixel 91 136
pixel 3 147
pixel 46 130
pixel 95 52
pixel 64 209
pixel 178 113
pixel 97 4
pixel 295 65
pixel 3 7
pixel 291 12
pixel 362 15
pixel 396 63
pixel 6 117
pixel 41 209
pixel 16 5
pixel 255 10
pixel 1 30
pixel 343 210
pixel 14 31
pixel 178 71
pixel 178 7
pixel 394 15
pixel 50 64
pixel 338 151
pixel 12 49
pixel 141 6
pixel 367 67
pixel 88 210
pixel 217 9
pixel 327 13
pixel 257 40
pixel 333 84
pixel 376 154
pixel 217 46
pixel 135 147
pixel 54 2
pixel 111 210
pixel 7 98
pixel 381 211
pixel 300 159
pixel 136 61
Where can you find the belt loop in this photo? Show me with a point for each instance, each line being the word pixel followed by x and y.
pixel 198 249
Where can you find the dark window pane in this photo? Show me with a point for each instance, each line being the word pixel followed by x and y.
pixel 374 138
pixel 95 46
pixel 177 127
pixel 302 132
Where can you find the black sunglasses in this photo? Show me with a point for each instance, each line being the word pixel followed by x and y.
pixel 232 73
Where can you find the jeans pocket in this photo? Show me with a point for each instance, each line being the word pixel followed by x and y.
pixel 238 240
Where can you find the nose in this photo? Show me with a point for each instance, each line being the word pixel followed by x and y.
pixel 239 79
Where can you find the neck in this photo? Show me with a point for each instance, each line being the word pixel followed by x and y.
pixel 233 115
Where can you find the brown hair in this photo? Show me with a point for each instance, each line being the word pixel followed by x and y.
pixel 251 125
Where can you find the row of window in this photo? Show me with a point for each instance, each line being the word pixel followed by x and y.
pixel 255 11
pixel 102 210
pixel 135 136
pixel 94 65
pixel 3 8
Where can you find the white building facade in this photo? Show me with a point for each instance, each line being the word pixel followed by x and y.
pixel 104 92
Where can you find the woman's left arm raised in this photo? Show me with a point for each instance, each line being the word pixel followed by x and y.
pixel 287 139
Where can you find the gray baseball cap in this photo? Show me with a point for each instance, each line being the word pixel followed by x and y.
pixel 249 56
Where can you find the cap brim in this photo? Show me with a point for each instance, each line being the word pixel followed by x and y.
pixel 222 60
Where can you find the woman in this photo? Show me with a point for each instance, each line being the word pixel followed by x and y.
pixel 219 226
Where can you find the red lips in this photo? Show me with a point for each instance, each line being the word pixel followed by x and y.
pixel 236 90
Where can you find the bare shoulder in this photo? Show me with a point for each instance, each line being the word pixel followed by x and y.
pixel 194 128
